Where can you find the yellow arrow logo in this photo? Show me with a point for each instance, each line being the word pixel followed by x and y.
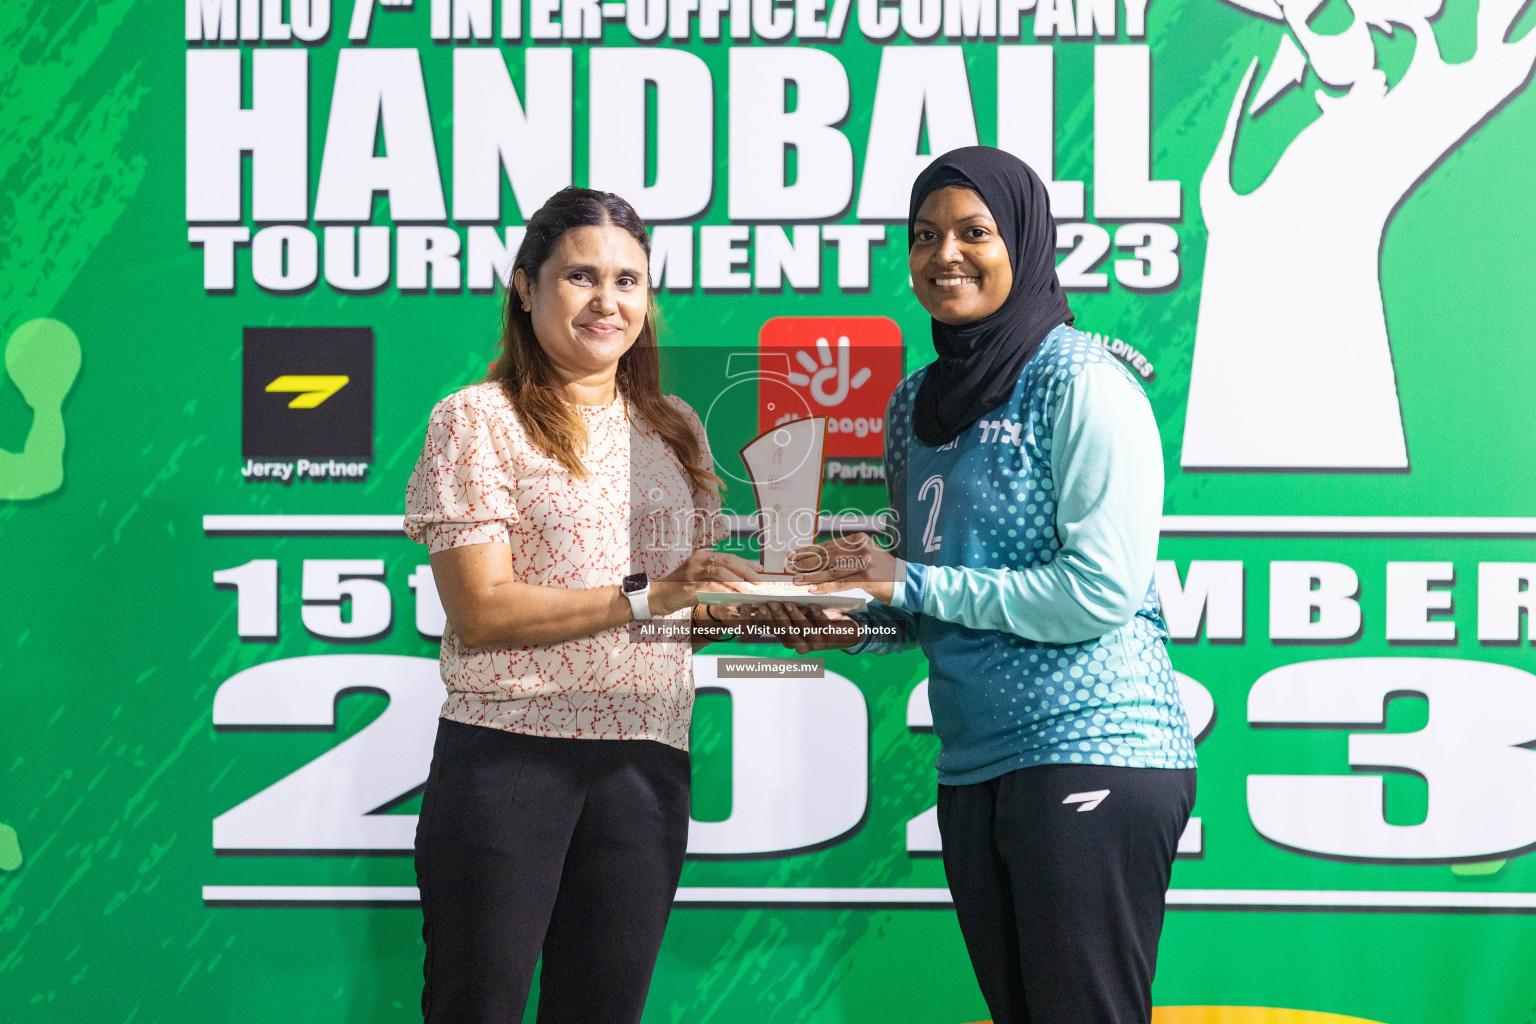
pixel 313 390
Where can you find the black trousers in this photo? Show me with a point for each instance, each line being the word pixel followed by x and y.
pixel 529 844
pixel 1061 904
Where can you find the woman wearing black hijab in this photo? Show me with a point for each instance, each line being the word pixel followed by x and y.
pixel 1026 476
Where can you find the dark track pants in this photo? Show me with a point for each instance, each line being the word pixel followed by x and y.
pixel 1061 908
pixel 572 847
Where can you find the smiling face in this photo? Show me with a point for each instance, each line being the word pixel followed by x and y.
pixel 589 303
pixel 960 268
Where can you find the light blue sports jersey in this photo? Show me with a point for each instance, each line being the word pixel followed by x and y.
pixel 1029 580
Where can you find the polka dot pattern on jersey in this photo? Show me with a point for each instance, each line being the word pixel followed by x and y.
pixel 1001 701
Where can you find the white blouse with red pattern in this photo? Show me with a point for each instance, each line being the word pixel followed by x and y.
pixel 480 481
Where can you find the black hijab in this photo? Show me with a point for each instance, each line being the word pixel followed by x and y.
pixel 979 363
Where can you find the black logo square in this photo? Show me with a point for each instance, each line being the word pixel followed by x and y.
pixel 307 393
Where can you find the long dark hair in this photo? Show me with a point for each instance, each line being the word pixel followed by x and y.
pixel 530 380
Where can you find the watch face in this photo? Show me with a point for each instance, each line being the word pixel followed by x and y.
pixel 635 583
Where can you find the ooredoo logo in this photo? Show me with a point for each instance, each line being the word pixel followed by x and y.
pixel 307 403
pixel 842 367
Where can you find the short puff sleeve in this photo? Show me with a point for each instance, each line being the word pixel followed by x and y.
pixel 462 489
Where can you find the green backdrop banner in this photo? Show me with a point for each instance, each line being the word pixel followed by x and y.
pixel 245 245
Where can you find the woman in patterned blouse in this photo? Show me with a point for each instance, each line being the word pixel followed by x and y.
pixel 562 499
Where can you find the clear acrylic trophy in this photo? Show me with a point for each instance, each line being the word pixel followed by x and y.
pixel 785 470
pixel 785 467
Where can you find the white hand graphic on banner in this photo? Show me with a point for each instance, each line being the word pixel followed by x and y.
pixel 828 371
pixel 1292 365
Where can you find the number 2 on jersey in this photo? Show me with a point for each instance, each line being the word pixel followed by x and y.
pixel 931 537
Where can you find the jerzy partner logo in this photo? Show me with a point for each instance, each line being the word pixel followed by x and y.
pixel 307 403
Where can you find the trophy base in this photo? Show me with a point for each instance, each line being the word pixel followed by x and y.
pixel 769 592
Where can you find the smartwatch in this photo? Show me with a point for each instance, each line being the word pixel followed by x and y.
pixel 636 588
